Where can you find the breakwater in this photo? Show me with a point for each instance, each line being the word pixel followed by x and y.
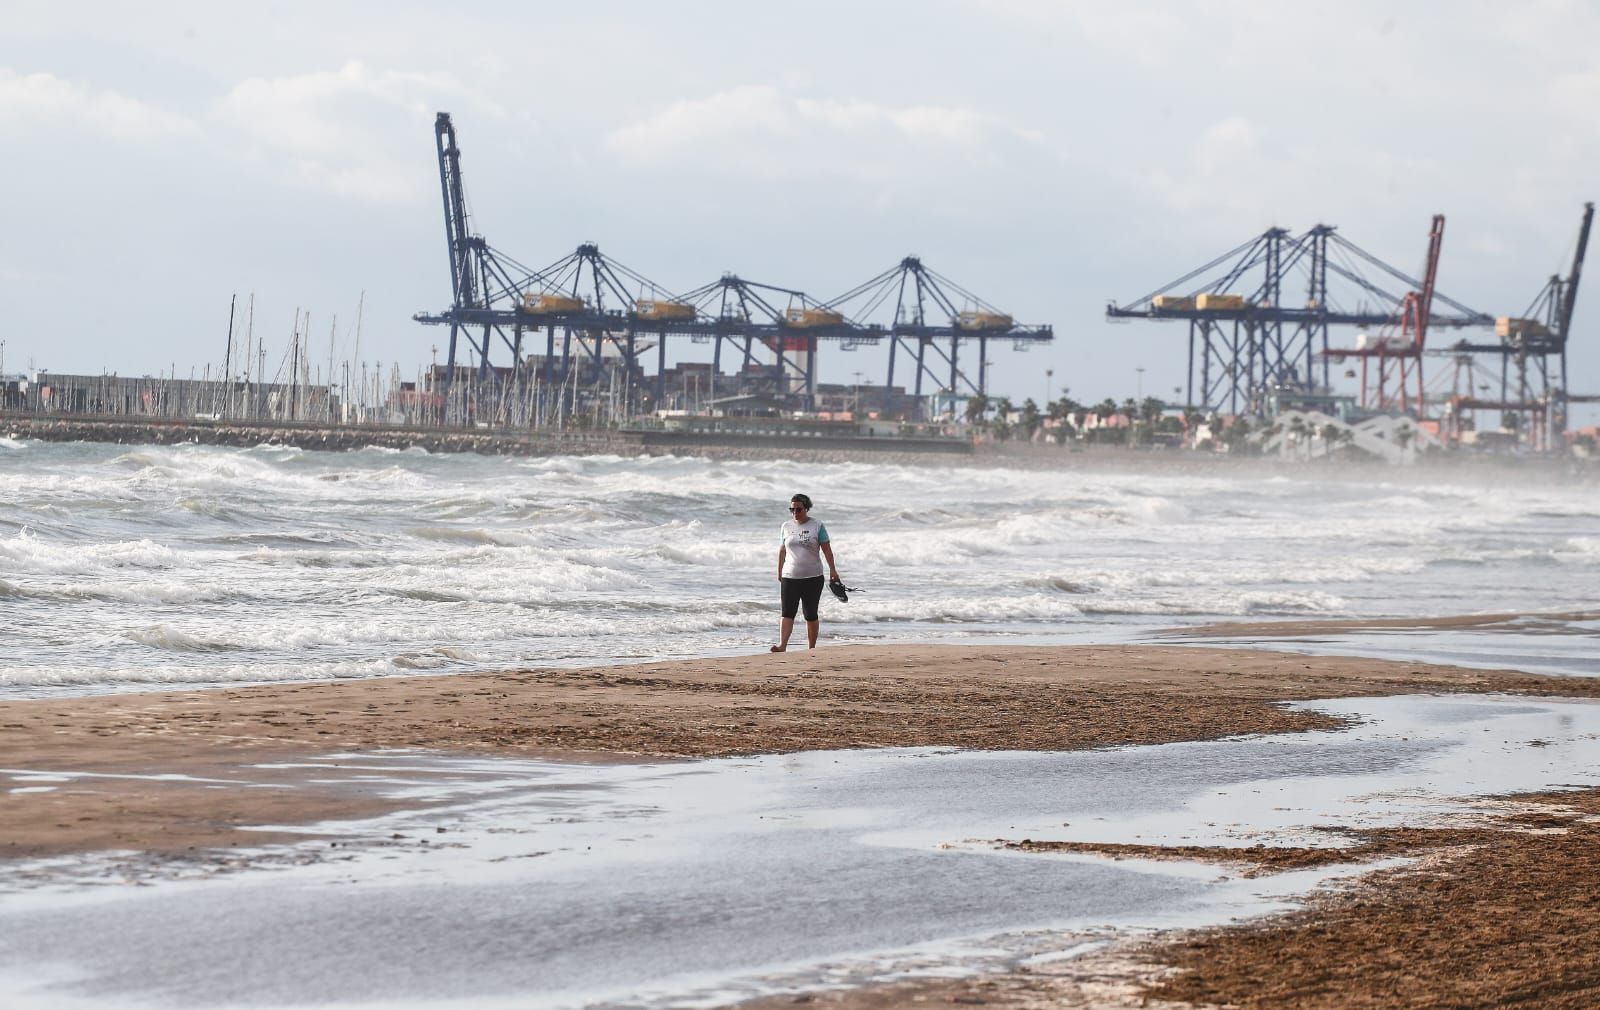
pixel 483 441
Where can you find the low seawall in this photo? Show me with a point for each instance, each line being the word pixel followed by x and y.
pixel 484 441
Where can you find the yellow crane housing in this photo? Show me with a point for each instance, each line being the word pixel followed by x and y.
pixel 803 318
pixel 661 310
pixel 1221 303
pixel 544 304
pixel 973 320
pixel 1511 326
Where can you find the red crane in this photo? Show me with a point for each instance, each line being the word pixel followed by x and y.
pixel 1398 348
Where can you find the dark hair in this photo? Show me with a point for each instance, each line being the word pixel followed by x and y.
pixel 801 499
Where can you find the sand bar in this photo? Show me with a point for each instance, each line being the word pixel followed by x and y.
pixel 1308 628
pixel 168 771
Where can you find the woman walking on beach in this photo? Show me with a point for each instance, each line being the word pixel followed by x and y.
pixel 803 543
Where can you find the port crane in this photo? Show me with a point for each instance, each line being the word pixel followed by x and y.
pixel 1392 363
pixel 1533 395
pixel 916 309
pixel 1259 316
pixel 603 310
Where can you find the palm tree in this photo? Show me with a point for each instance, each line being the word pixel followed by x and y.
pixel 1030 418
pixel 1331 434
pixel 1069 411
pixel 1238 435
pixel 977 406
pixel 1299 432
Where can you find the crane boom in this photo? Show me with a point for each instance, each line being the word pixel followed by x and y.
pixel 1430 274
pixel 1569 297
pixel 462 279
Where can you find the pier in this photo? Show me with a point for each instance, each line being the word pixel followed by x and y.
pixel 753 443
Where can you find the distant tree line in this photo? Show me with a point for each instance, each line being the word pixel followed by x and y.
pixel 1145 422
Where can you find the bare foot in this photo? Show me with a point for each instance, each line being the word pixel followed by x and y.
pixel 779 648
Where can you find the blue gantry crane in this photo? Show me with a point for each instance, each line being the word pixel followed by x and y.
pixel 925 314
pixel 598 307
pixel 1259 314
pixel 1532 352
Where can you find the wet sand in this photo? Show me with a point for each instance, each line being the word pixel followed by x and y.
pixel 1505 914
pixel 1519 917
pixel 1304 629
pixel 1503 918
pixel 211 743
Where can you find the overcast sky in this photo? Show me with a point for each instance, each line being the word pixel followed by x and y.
pixel 1049 156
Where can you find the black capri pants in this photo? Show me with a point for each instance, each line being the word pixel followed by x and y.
pixel 802 591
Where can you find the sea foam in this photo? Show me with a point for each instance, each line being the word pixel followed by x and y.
pixel 194 564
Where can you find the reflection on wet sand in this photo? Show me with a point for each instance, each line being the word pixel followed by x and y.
pixel 672 882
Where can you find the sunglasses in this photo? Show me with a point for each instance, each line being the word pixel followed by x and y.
pixel 797 508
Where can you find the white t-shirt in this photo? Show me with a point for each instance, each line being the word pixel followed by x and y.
pixel 802 544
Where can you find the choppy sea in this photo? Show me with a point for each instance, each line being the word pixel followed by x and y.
pixel 128 567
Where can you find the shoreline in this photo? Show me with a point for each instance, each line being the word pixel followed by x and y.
pixel 1496 914
pixel 175 775
pixel 1301 627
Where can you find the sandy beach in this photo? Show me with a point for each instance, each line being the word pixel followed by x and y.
pixel 993 698
pixel 173 775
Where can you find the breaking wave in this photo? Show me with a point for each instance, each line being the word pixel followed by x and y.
pixel 189 564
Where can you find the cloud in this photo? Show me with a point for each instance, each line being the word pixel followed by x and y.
pixel 1143 33
pixel 352 132
pixel 761 131
pixel 1236 174
pixel 1211 176
pixel 1487 245
pixel 1232 142
pixel 45 99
